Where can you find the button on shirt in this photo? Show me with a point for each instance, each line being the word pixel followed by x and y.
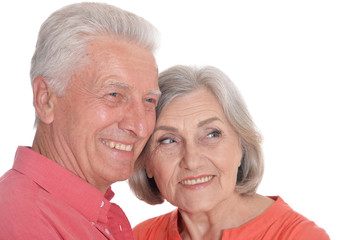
pixel 40 199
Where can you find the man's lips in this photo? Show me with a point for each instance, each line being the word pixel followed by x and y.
pixel 119 146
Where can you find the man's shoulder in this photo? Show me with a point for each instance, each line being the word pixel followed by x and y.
pixel 16 190
pixel 19 210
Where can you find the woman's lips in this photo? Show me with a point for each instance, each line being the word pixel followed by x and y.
pixel 197 180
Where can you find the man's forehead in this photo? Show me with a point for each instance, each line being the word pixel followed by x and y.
pixel 114 83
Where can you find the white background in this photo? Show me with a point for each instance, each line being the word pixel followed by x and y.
pixel 297 64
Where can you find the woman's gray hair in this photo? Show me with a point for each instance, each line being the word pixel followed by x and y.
pixel 64 35
pixel 182 80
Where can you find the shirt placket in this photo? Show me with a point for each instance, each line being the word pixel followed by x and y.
pixel 102 220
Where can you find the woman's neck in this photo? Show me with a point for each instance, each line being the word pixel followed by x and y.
pixel 231 213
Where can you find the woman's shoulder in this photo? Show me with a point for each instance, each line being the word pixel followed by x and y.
pixel 156 221
pixel 297 226
pixel 161 227
pixel 280 221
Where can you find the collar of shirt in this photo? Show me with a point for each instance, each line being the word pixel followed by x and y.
pixel 263 221
pixel 64 185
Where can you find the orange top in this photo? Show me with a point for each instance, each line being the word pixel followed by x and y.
pixel 279 222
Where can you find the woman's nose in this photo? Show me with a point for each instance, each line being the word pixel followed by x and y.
pixel 192 157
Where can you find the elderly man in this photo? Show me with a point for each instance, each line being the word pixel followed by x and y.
pixel 95 89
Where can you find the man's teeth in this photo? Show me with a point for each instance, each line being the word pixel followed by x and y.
pixel 122 147
pixel 196 181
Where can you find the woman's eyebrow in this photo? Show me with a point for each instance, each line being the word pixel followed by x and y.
pixel 209 120
pixel 200 124
pixel 166 128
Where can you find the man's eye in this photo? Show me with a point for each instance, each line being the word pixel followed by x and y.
pixel 114 94
pixel 151 100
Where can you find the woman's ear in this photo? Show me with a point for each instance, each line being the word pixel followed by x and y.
pixel 149 172
pixel 44 99
pixel 243 154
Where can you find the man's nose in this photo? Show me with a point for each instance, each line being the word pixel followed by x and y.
pixel 137 120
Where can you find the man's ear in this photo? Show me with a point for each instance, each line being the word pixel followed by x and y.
pixel 44 99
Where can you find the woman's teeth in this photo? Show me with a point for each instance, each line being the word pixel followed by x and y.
pixel 196 181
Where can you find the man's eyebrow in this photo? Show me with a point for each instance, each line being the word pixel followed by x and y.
pixel 155 92
pixel 209 120
pixel 117 85
pixel 126 86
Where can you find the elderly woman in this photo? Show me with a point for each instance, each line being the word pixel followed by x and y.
pixel 205 158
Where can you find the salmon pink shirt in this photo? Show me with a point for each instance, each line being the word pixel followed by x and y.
pixel 278 222
pixel 40 199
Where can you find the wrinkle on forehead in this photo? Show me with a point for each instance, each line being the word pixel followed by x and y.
pixel 117 51
pixel 194 110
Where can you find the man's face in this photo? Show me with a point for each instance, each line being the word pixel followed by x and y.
pixel 107 113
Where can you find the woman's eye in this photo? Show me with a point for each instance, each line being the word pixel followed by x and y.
pixel 167 141
pixel 214 134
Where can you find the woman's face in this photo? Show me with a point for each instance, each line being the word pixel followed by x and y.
pixel 194 153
